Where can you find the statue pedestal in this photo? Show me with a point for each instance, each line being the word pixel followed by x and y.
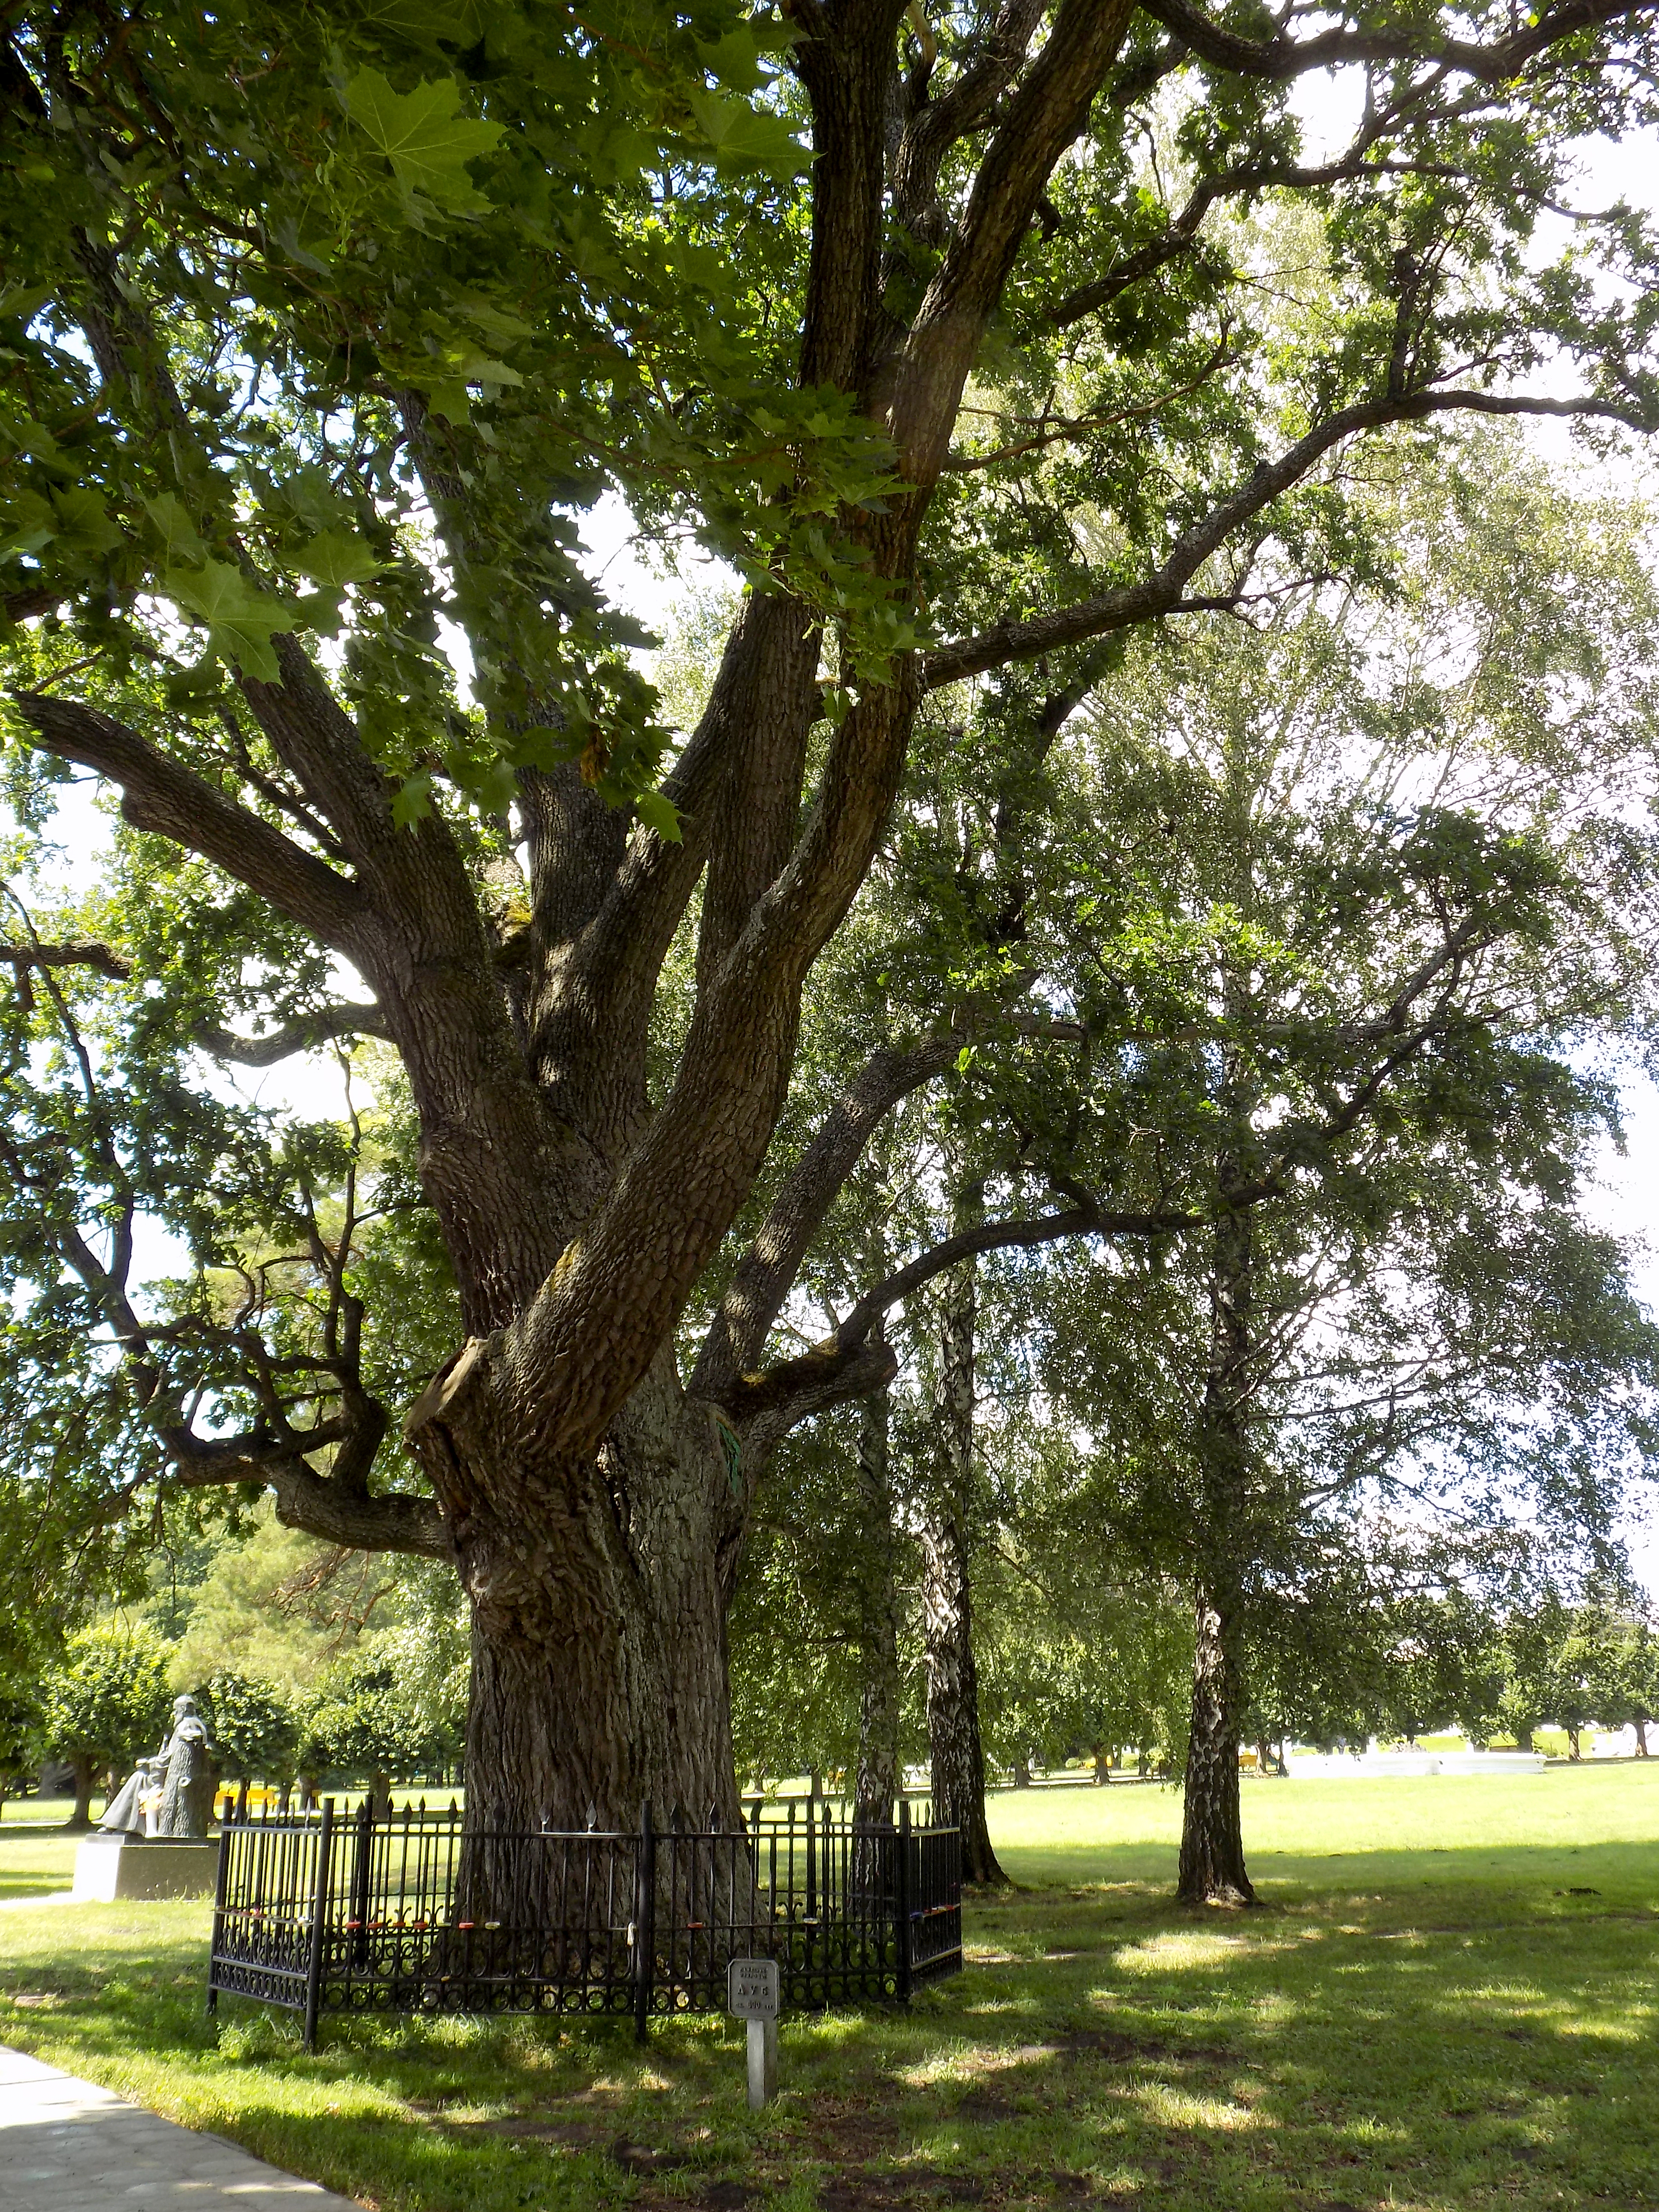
pixel 109 1869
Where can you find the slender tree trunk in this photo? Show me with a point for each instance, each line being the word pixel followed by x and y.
pixel 953 1730
pixel 1102 1765
pixel 953 1733
pixel 1573 1742
pixel 1523 1738
pixel 1022 1770
pixel 82 1816
pixel 1212 1869
pixel 1640 1725
pixel 877 1784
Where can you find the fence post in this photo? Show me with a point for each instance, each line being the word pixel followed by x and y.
pixel 902 1894
pixel 221 1879
pixel 319 1924
pixel 811 1871
pixel 360 1873
pixel 644 1922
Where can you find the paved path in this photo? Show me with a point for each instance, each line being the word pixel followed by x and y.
pixel 66 2147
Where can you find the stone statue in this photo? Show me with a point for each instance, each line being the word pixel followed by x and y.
pixel 187 1792
pixel 124 1814
pixel 171 1795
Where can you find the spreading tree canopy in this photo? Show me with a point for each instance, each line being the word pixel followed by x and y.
pixel 322 326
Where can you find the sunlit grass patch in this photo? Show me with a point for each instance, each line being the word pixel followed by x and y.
pixel 1465 2042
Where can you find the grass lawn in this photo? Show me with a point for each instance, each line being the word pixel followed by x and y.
pixel 1449 1999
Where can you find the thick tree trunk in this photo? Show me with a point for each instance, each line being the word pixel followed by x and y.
pixel 598 1645
pixel 953 1730
pixel 877 1784
pixel 1102 1758
pixel 1212 1837
pixel 1022 1770
pixel 1523 1738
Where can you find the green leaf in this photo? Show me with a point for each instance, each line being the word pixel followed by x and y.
pixel 178 534
pixel 425 136
pixel 744 139
pixel 241 619
pixel 660 814
pixel 84 523
pixel 26 524
pixel 412 801
pixel 336 558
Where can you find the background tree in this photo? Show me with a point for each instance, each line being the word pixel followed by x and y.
pixel 365 1722
pixel 253 1727
pixel 1341 897
pixel 20 1735
pixel 106 1702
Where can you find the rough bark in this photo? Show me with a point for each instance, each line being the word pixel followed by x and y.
pixel 953 1730
pixel 1213 1869
pixel 598 1651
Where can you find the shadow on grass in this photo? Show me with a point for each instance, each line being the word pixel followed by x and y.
pixel 1364 2041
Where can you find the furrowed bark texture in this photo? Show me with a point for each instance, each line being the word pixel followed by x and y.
pixel 1212 1870
pixel 953 1730
pixel 598 1649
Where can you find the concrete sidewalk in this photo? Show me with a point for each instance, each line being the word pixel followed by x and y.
pixel 66 2147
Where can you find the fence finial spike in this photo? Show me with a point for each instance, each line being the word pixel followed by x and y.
pixel 714 1829
pixel 592 1816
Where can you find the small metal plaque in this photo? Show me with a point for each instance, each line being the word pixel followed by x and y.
pixel 751 1988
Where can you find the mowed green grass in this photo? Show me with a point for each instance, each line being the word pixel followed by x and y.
pixel 1535 1828
pixel 1450 1998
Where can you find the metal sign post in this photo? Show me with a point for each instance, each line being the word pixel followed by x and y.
pixel 751 1994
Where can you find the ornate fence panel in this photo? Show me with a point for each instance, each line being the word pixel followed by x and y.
pixel 412 1913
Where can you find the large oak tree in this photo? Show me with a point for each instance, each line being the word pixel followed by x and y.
pixel 372 300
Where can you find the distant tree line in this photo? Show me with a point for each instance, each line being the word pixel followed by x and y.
pixel 370 1720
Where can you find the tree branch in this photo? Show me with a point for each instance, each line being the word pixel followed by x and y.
pixel 304 1035
pixel 168 801
pixel 1279 58
pixel 767 1273
pixel 1160 595
pixel 75 953
pixel 816 1370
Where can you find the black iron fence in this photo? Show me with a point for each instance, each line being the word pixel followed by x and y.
pixel 330 1913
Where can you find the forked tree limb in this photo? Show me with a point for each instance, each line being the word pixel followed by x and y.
pixel 304 1034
